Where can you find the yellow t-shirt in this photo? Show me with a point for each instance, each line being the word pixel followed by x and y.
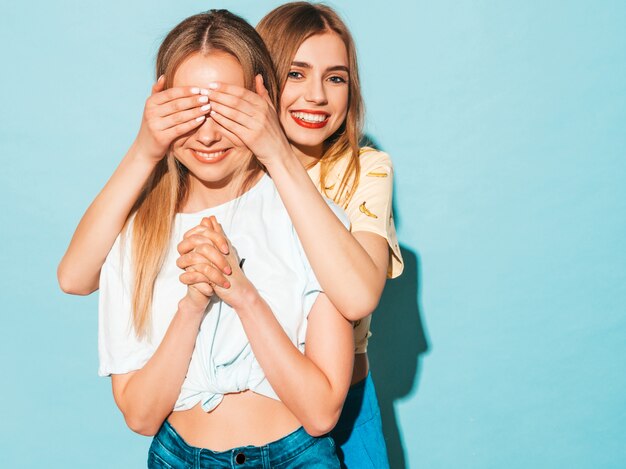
pixel 370 209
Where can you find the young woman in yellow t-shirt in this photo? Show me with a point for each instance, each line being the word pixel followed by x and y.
pixel 310 145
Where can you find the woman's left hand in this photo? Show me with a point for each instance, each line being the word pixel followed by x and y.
pixel 250 118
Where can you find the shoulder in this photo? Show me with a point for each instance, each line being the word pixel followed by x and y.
pixel 370 158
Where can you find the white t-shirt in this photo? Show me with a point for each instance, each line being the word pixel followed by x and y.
pixel 259 228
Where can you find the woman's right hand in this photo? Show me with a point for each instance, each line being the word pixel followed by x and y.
pixel 167 115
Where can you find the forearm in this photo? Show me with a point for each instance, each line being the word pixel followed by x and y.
pixel 79 270
pixel 149 395
pixel 348 274
pixel 314 396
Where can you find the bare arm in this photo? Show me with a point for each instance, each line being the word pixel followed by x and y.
pixel 314 385
pixel 147 396
pixel 167 115
pixel 351 267
pixel 79 269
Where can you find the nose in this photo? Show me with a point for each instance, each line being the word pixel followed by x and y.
pixel 315 92
pixel 209 132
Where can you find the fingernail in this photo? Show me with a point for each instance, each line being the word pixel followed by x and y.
pixel 225 248
pixel 206 107
pixel 162 77
pixel 213 86
pixel 226 285
pixel 204 92
pixel 195 90
pixel 203 99
pixel 228 270
pixel 199 119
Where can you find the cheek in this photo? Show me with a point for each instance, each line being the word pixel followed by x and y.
pixel 288 96
pixel 339 101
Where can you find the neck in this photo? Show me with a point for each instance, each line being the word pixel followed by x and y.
pixel 308 156
pixel 203 195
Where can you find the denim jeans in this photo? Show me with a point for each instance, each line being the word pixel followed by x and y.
pixel 296 450
pixel 359 432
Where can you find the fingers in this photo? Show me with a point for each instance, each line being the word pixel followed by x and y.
pixel 197 280
pixel 234 131
pixel 158 85
pixel 205 228
pixel 205 254
pixel 235 115
pixel 209 272
pixel 174 132
pixel 233 90
pixel 261 90
pixel 203 246
pixel 171 94
pixel 177 106
pixel 233 257
pixel 203 288
pixel 244 106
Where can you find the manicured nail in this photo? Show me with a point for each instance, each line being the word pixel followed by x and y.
pixel 195 90
pixel 228 270
pixel 214 86
pixel 199 119
pixel 206 107
pixel 203 99
pixel 226 285
pixel 204 92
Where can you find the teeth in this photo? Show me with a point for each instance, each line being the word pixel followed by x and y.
pixel 210 156
pixel 313 118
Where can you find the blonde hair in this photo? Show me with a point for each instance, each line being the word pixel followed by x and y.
pixel 167 187
pixel 284 29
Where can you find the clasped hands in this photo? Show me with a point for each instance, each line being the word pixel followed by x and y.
pixel 211 267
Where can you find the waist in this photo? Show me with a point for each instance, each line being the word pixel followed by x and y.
pixel 241 419
pixel 361 368
pixel 170 449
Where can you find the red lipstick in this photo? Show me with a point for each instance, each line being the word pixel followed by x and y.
pixel 307 124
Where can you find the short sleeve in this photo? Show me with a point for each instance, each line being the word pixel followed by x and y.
pixel 312 286
pixel 370 208
pixel 119 350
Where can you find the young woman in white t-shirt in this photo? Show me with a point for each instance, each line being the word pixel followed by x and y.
pixel 316 60
pixel 252 368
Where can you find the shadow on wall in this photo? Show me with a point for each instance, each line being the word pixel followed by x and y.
pixel 399 340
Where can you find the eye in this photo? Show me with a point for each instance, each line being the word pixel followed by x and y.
pixel 337 79
pixel 294 75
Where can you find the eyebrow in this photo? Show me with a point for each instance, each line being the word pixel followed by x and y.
pixel 334 68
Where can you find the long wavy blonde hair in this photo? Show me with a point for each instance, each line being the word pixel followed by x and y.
pixel 167 187
pixel 284 29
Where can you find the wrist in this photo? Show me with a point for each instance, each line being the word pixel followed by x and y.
pixel 282 162
pixel 140 155
pixel 188 307
pixel 249 301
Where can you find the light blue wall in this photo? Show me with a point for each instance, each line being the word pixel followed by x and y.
pixel 503 345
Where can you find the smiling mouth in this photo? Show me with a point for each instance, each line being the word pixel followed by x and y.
pixel 210 156
pixel 310 120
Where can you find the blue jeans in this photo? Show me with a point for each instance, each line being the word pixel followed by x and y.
pixel 296 450
pixel 359 432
